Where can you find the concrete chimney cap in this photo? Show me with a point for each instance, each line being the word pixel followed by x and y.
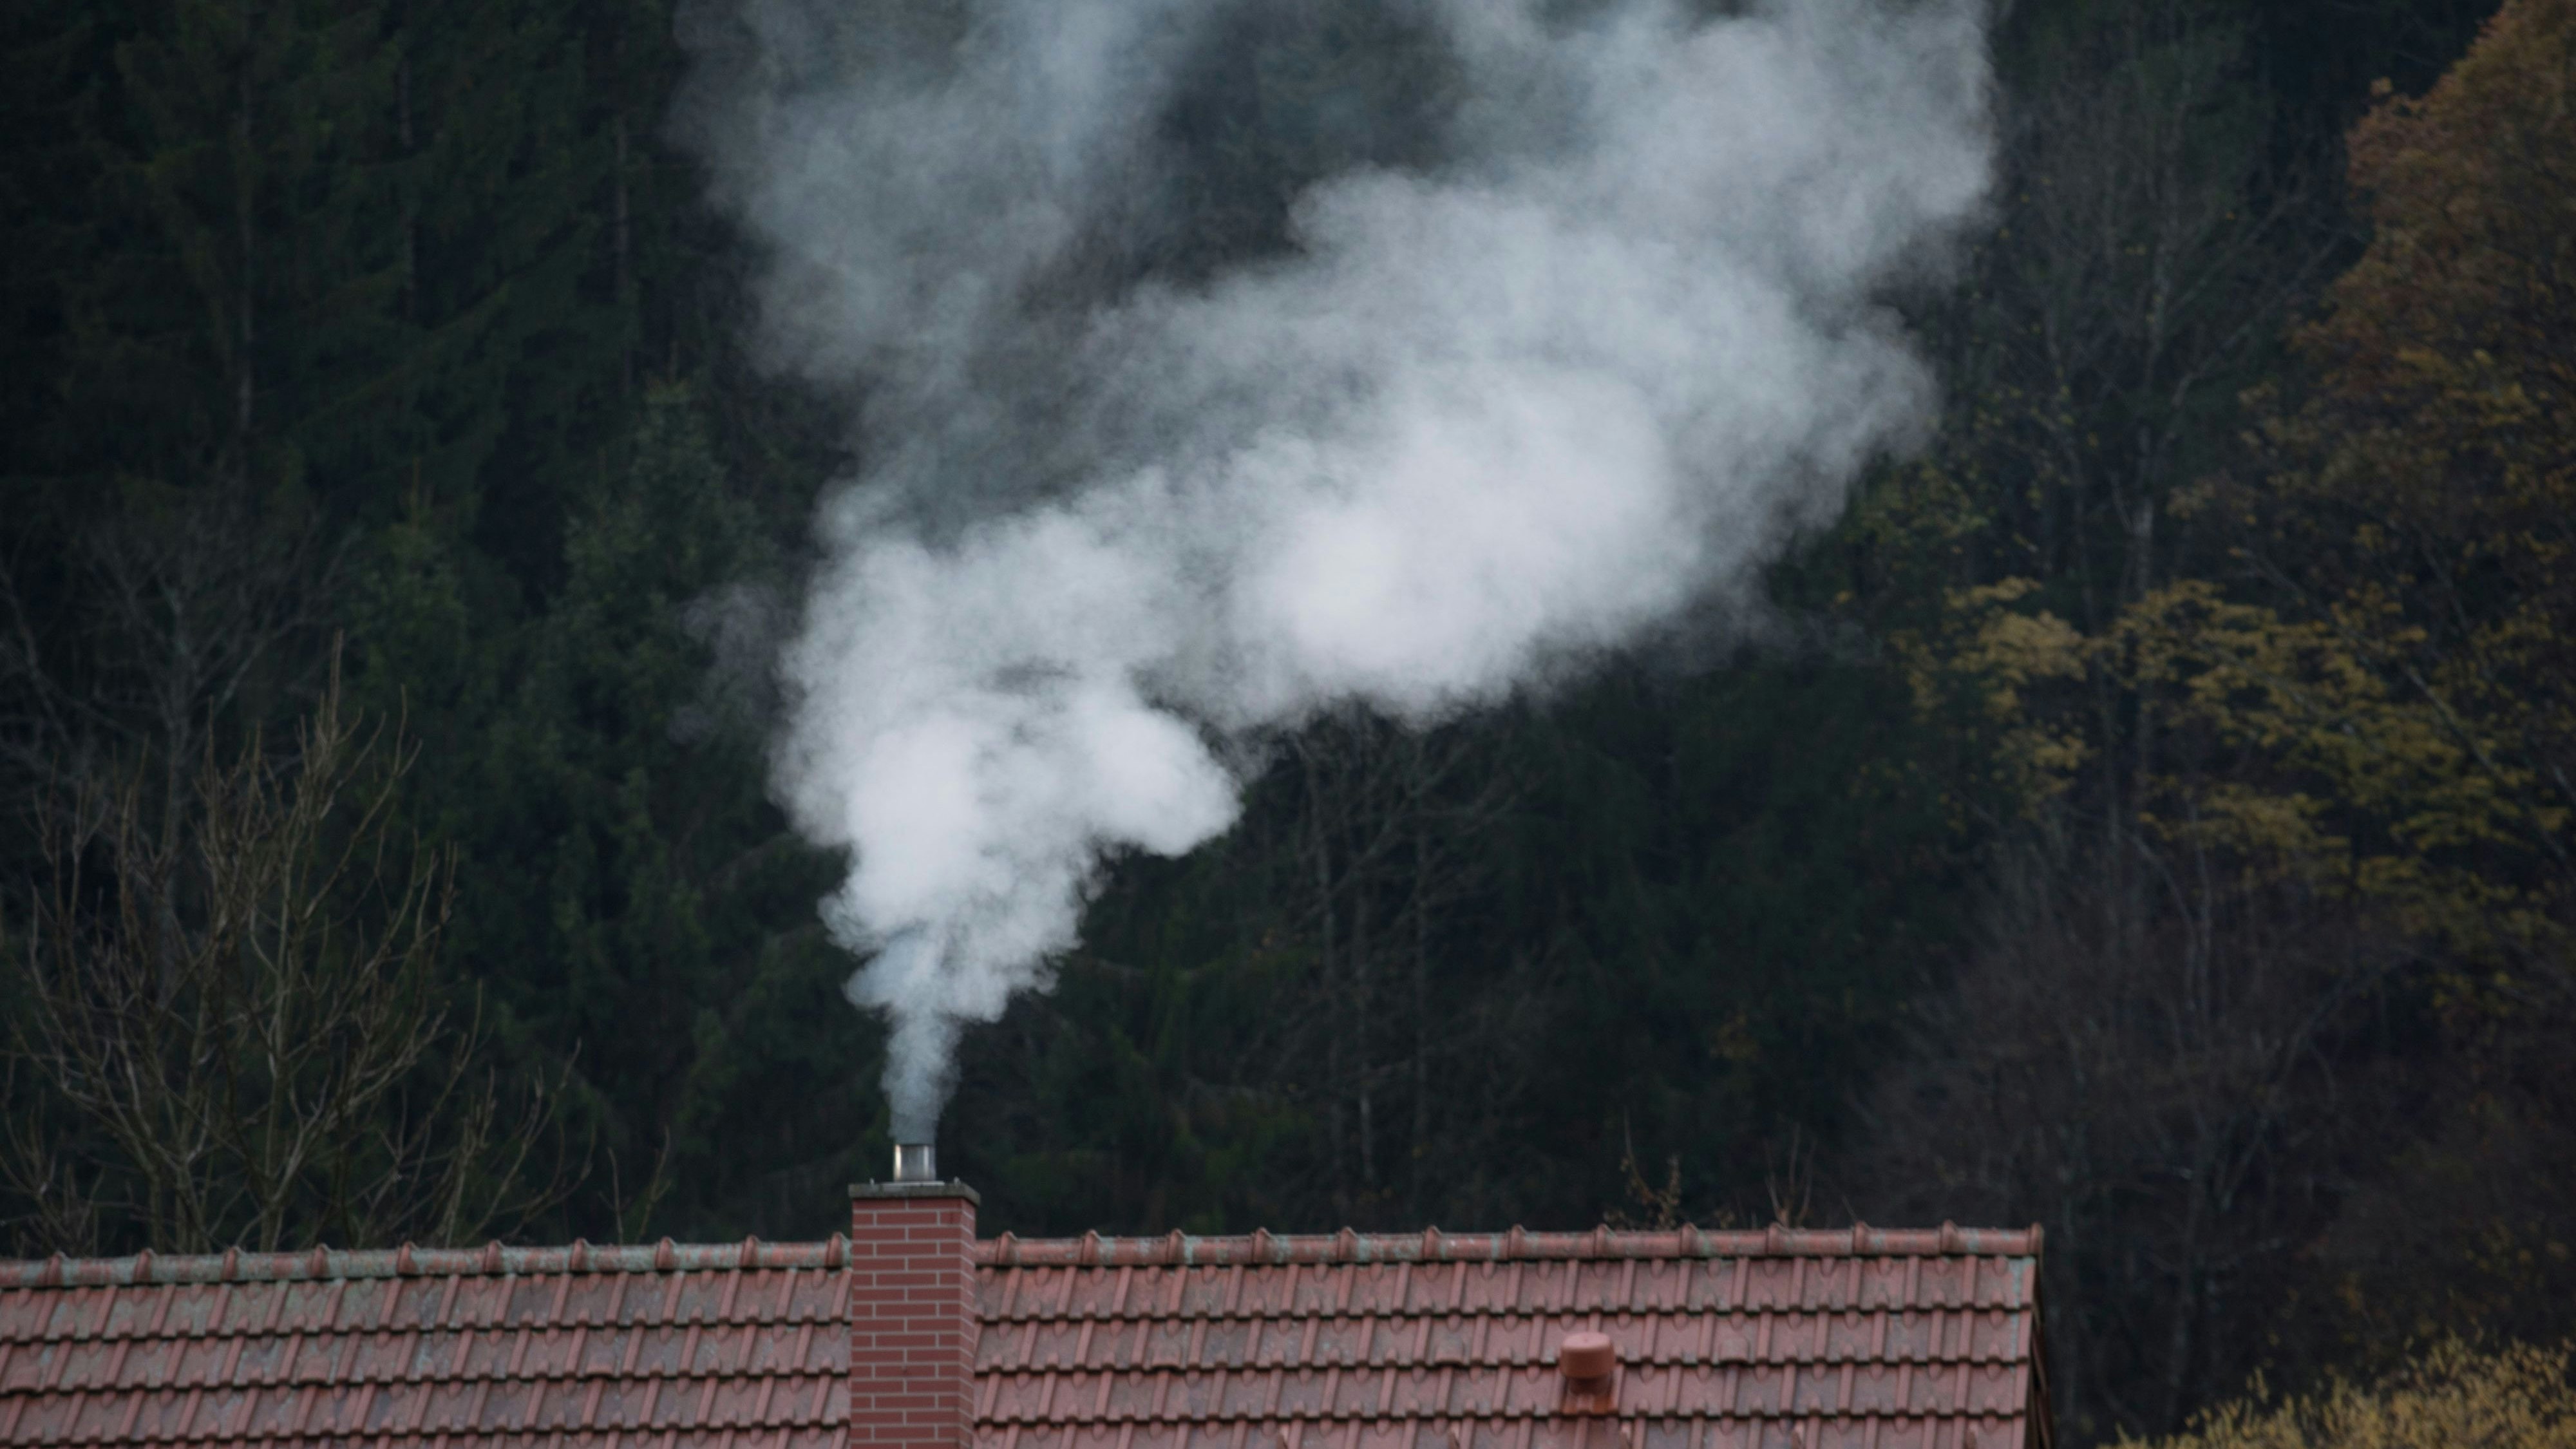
pixel 1586 1357
pixel 866 1191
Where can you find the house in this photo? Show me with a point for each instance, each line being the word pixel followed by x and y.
pixel 912 1331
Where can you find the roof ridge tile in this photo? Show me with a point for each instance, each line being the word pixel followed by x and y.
pixel 410 1260
pixel 1177 1249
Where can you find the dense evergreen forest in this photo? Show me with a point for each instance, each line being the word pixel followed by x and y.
pixel 2144 811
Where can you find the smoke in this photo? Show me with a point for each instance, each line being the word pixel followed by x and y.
pixel 1591 359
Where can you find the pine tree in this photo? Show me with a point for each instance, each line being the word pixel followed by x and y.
pixel 626 892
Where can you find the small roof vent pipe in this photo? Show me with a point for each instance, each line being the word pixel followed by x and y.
pixel 1586 1360
pixel 915 1162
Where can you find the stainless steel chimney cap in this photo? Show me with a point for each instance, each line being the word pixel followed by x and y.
pixel 915 1162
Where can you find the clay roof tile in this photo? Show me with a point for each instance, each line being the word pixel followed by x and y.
pixel 1859 1336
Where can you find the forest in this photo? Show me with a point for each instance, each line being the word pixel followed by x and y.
pixel 2144 809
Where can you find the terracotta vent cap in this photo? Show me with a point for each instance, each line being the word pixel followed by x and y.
pixel 1586 1358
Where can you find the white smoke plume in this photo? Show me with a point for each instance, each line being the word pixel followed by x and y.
pixel 1483 417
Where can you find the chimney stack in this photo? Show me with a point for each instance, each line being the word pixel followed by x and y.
pixel 912 1309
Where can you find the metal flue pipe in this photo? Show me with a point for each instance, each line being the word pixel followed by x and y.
pixel 915 1162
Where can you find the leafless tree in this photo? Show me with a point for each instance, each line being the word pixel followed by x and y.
pixel 1394 832
pixel 2155 230
pixel 227 1026
pixel 2177 1105
pixel 2149 240
pixel 1339 989
pixel 181 602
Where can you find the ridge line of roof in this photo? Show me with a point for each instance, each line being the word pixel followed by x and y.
pixel 411 1261
pixel 1517 1245
pixel 1755 1413
pixel 1009 1251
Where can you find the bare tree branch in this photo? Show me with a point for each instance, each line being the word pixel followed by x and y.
pixel 237 1004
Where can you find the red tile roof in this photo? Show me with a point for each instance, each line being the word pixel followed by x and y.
pixel 1862 1338
pixel 664 1345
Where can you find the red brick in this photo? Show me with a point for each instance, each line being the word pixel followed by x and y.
pixel 912 1321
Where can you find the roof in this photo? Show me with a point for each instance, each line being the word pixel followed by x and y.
pixel 1864 1338
pixel 667 1345
pixel 1861 1338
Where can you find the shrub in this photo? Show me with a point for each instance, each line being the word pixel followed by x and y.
pixel 2453 1397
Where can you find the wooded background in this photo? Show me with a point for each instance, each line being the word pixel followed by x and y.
pixel 2145 813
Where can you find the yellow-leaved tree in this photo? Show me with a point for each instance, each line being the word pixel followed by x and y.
pixel 2516 1397
pixel 2267 1008
pixel 2395 684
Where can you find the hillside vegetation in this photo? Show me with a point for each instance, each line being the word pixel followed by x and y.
pixel 2145 811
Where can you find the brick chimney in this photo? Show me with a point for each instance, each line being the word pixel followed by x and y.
pixel 912 1315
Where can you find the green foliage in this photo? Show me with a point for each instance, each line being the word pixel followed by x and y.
pixel 1667 916
pixel 1761 872
pixel 341 316
pixel 627 895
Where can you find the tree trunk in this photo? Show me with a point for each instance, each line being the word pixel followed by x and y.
pixel 1361 1012
pixel 1421 998
pixel 1331 978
